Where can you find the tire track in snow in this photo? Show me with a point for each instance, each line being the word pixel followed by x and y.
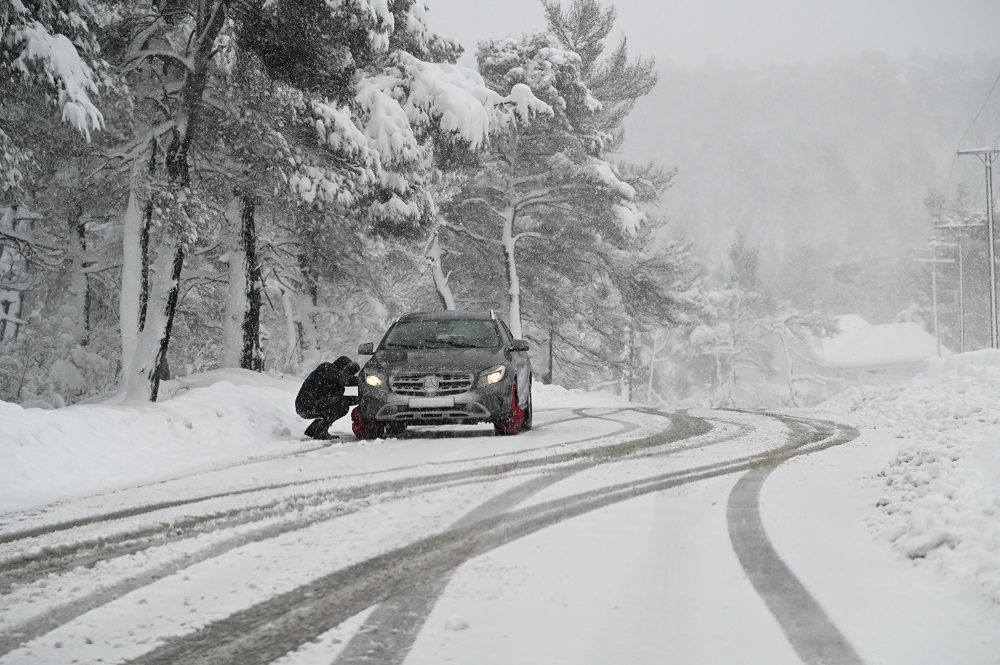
pixel 272 628
pixel 77 555
pixel 12 536
pixel 24 632
pixel 813 636
pixel 33 565
pixel 135 511
pixel 391 629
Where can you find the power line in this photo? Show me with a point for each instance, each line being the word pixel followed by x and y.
pixel 981 107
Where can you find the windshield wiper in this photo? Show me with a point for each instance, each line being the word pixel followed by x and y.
pixel 434 344
pixel 455 343
pixel 431 343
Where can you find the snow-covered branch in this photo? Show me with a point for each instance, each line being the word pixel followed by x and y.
pixel 462 229
pixel 527 234
pixel 25 239
pixel 137 59
pixel 62 65
pixel 481 201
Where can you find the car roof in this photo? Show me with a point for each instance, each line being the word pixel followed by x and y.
pixel 448 315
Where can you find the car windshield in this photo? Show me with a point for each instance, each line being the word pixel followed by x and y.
pixel 456 333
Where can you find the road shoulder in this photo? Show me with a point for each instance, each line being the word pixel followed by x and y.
pixel 821 516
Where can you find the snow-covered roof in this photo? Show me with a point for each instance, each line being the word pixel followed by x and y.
pixel 861 344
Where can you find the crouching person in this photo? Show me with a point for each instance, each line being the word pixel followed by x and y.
pixel 322 395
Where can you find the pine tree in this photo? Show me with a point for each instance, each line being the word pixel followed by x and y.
pixel 52 47
pixel 551 165
pixel 346 121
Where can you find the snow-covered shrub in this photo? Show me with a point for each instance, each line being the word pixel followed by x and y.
pixel 47 366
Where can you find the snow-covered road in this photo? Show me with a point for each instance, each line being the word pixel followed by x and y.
pixel 604 535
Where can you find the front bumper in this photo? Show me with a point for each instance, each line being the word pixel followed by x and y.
pixel 482 403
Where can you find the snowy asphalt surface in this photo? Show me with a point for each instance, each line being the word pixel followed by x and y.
pixel 266 560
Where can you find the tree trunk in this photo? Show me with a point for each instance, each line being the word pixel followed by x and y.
pixel 433 255
pixel 652 370
pixel 305 306
pixel 788 364
pixel 160 370
pixel 732 372
pixel 147 221
pixel 132 285
pixel 241 328
pixel 149 359
pixel 11 310
pixel 236 302
pixel 513 283
pixel 294 352
pixel 79 285
pixel 551 369
pixel 718 377
pixel 252 357
pixel 630 359
pixel 165 291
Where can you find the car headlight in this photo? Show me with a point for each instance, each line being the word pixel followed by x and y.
pixel 373 380
pixel 494 375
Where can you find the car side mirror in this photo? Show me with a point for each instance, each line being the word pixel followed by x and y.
pixel 366 349
pixel 519 345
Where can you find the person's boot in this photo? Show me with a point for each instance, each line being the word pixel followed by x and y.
pixel 319 429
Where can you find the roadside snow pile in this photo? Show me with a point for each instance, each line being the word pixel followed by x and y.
pixel 942 495
pixel 215 418
pixel 203 422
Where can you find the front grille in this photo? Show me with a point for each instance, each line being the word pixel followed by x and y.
pixel 412 383
pixel 472 412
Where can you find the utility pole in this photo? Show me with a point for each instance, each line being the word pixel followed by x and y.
pixel 959 230
pixel 987 156
pixel 933 244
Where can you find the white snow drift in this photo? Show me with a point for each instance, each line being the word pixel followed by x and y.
pixel 942 491
pixel 211 419
pixel 207 420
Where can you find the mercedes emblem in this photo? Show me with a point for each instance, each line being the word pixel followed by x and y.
pixel 431 384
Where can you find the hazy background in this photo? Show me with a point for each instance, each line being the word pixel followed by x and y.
pixel 815 129
pixel 694 32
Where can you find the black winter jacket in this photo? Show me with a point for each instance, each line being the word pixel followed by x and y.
pixel 322 393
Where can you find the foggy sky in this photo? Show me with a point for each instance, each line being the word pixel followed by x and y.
pixel 694 32
pixel 795 74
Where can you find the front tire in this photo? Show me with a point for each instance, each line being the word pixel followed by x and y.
pixel 364 431
pixel 512 423
pixel 528 411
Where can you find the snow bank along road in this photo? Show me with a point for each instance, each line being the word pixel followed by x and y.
pixel 350 552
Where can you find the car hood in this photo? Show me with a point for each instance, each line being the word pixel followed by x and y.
pixel 467 360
